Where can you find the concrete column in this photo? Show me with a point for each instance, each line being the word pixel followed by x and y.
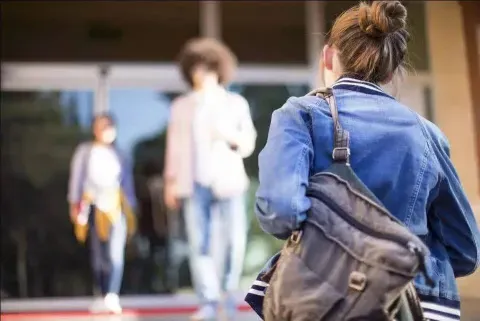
pixel 210 20
pixel 471 25
pixel 453 103
pixel 452 90
pixel 101 91
pixel 315 23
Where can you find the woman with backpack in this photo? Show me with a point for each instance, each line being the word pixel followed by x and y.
pixel 402 158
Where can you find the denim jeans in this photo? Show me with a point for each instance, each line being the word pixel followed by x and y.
pixel 107 258
pixel 198 220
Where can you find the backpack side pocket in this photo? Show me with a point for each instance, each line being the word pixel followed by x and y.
pixel 296 293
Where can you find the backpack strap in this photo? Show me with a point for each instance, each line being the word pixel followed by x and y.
pixel 341 148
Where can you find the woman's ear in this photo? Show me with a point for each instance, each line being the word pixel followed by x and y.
pixel 327 57
pixel 389 78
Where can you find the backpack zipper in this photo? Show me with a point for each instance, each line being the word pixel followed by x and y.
pixel 411 246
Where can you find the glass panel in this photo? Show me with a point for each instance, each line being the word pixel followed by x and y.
pixel 265 31
pixel 142 118
pixel 97 30
pixel 417 47
pixel 151 265
pixel 39 132
pixel 263 100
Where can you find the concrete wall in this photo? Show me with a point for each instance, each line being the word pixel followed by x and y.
pixel 452 95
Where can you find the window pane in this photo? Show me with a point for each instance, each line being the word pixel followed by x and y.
pixel 142 118
pixel 263 100
pixel 265 31
pixel 417 47
pixel 97 30
pixel 39 132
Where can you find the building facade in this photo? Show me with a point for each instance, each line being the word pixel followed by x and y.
pixel 78 58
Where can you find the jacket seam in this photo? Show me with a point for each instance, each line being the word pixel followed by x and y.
pixel 426 137
pixel 295 200
pixel 297 196
pixel 418 183
pixel 442 177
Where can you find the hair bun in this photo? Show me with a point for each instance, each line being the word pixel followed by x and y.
pixel 382 18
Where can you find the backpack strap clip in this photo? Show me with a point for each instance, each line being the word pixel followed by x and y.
pixel 341 137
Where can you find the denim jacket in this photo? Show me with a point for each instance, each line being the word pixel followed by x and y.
pixel 402 158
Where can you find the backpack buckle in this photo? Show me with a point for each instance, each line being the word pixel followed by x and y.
pixel 357 281
pixel 296 237
pixel 341 154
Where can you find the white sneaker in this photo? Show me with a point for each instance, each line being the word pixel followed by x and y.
pixel 98 305
pixel 205 313
pixel 112 303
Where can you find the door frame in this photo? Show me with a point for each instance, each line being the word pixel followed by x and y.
pixel 100 77
pixel 163 77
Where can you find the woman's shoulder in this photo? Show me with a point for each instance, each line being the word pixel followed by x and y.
pixel 434 134
pixel 303 106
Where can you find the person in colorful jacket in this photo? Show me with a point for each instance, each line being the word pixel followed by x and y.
pixel 102 198
pixel 209 134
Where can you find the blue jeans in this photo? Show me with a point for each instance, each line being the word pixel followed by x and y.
pixel 107 258
pixel 198 221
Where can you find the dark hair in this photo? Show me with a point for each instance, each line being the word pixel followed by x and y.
pixel 372 40
pixel 211 53
pixel 103 115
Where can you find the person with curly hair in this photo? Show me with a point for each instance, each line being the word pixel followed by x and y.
pixel 209 134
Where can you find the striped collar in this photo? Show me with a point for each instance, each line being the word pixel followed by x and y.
pixel 348 83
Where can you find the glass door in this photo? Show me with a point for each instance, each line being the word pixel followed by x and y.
pixel 142 115
pixel 139 99
pixel 46 111
pixel 142 110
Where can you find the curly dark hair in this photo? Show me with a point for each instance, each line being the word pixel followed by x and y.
pixel 211 53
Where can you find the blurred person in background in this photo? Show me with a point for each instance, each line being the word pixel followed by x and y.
pixel 209 134
pixel 101 197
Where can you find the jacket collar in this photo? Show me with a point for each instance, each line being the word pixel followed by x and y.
pixel 349 83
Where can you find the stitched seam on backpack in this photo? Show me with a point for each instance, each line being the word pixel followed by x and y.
pixel 361 259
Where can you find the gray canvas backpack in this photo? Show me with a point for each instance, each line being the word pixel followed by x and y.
pixel 352 259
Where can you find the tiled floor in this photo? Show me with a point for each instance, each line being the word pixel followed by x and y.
pixel 241 317
pixel 470 312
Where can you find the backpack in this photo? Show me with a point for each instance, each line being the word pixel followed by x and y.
pixel 351 259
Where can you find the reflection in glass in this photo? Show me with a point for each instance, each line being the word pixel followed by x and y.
pixel 263 100
pixel 140 114
pixel 142 118
pixel 158 258
pixel 39 132
pixel 245 31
